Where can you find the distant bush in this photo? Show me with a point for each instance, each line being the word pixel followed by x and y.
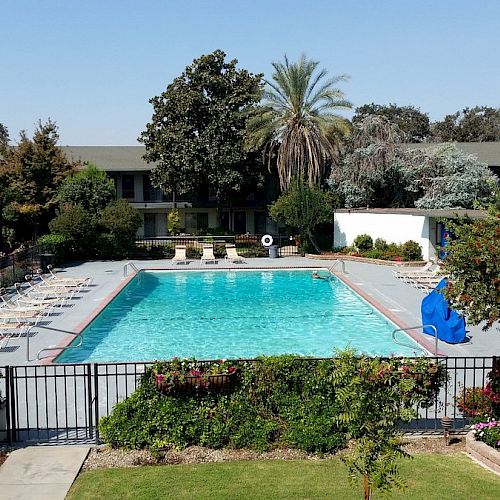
pixel 411 250
pixel 58 244
pixel 408 251
pixel 380 244
pixel 363 242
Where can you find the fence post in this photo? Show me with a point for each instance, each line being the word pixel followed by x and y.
pixel 96 401
pixel 10 408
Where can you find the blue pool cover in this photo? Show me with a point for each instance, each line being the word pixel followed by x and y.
pixel 436 311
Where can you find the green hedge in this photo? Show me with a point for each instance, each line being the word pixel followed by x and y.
pixel 280 401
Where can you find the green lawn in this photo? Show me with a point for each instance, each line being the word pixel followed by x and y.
pixel 428 476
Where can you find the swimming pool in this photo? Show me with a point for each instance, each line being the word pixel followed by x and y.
pixel 234 314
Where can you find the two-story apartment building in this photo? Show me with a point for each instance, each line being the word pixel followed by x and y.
pixel 198 212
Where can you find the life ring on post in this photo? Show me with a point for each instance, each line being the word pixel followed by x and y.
pixel 267 240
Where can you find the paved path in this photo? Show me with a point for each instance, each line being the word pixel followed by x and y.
pixel 41 472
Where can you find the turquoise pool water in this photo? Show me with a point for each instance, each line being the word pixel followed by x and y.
pixel 233 314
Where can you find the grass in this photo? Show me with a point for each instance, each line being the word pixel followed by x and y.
pixel 428 477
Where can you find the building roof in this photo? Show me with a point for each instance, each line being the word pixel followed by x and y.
pixel 129 158
pixel 110 158
pixel 486 152
pixel 429 212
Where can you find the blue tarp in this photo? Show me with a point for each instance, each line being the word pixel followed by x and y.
pixel 436 311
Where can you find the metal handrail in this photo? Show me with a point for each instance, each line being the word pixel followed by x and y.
pixel 418 327
pixel 337 261
pixel 55 347
pixel 126 266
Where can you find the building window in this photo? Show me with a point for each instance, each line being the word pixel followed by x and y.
pixel 149 192
pixel 128 191
pixel 260 224
pixel 149 225
pixel 196 222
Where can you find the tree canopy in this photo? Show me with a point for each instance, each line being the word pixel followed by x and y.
pixel 413 124
pixel 370 173
pixel 477 124
pixel 196 133
pixel 297 121
pixel 32 173
pixel 446 177
pixel 91 188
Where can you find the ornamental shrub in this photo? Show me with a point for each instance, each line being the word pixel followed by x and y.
pixel 58 244
pixel 380 244
pixel 411 250
pixel 277 401
pixel 363 242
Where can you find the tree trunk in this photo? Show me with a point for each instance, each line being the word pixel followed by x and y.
pixel 367 487
pixel 311 239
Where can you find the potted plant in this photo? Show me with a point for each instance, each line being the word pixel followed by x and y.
pixel 187 375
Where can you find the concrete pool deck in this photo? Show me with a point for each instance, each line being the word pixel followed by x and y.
pixel 376 283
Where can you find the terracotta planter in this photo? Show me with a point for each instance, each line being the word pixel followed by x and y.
pixel 203 383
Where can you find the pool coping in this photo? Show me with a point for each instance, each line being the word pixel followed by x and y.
pixel 66 341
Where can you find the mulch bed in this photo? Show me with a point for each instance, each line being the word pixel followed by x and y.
pixel 3 457
pixel 106 457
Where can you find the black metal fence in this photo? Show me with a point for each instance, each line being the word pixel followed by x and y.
pixel 14 266
pixel 247 245
pixel 63 403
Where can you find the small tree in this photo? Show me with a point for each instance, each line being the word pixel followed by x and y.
pixel 173 221
pixel 303 207
pixel 91 188
pixel 473 262
pixel 375 395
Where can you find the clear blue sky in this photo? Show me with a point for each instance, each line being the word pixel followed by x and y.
pixel 93 65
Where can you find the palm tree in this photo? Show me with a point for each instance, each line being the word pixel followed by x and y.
pixel 296 122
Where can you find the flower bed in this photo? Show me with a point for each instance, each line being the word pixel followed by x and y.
pixel 482 452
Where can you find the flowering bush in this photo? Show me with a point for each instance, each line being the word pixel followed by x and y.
pixel 185 374
pixel 488 432
pixel 474 402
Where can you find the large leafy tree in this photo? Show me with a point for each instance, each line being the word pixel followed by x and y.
pixel 196 133
pixel 410 120
pixel 298 121
pixel 33 172
pixel 446 177
pixel 473 262
pixel 370 172
pixel 477 124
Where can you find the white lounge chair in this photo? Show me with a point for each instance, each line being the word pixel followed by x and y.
pixel 180 255
pixel 232 254
pixel 54 278
pixel 208 254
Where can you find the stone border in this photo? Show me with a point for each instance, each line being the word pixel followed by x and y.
pixel 485 455
pixel 341 256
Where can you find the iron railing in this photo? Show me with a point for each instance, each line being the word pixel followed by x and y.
pixel 14 266
pixel 63 403
pixel 247 245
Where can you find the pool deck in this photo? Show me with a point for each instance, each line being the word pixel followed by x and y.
pixel 376 283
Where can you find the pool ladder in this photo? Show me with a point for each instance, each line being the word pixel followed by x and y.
pixel 418 327
pixel 127 265
pixel 335 264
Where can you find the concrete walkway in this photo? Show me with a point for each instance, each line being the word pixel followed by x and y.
pixel 41 472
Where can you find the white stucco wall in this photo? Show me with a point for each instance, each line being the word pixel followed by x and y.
pixel 393 228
